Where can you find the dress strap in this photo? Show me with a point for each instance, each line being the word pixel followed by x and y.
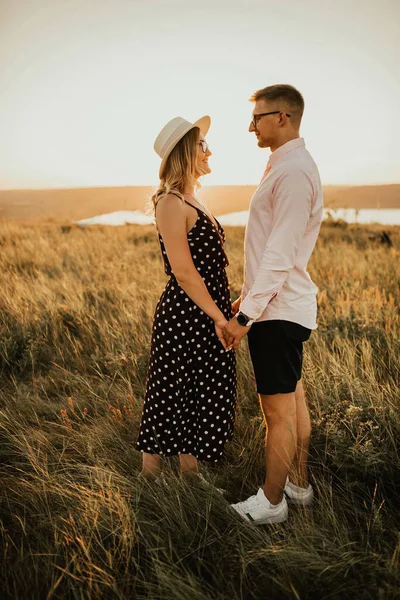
pixel 190 204
pixel 214 224
pixel 200 211
pixel 173 194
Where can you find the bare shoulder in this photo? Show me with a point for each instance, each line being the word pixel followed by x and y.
pixel 169 202
pixel 170 212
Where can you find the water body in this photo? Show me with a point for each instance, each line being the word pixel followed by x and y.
pixel 382 216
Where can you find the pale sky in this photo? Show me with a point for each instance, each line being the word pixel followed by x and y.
pixel 86 85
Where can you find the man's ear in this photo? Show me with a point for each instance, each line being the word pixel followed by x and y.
pixel 282 118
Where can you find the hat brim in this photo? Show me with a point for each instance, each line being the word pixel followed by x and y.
pixel 203 124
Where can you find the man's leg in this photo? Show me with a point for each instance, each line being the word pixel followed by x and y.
pixel 280 448
pixel 298 473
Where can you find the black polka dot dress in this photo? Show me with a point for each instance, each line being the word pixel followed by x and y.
pixel 190 397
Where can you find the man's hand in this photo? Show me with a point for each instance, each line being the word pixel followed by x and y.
pixel 236 306
pixel 233 333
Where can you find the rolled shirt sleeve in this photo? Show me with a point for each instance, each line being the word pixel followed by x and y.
pixel 292 199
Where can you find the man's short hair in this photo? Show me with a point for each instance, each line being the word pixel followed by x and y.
pixel 286 97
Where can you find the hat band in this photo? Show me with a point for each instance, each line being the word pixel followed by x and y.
pixel 174 138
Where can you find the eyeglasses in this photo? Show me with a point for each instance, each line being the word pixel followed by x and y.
pixel 256 118
pixel 204 146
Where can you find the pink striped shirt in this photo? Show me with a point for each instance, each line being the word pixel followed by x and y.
pixel 285 215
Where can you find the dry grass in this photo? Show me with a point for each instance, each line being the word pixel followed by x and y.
pixel 76 308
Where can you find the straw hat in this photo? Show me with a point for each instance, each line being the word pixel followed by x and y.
pixel 174 131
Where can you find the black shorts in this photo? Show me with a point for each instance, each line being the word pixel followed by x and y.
pixel 276 350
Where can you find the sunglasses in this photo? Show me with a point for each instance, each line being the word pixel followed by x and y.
pixel 204 146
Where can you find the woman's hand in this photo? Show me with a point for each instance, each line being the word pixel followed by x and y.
pixel 236 306
pixel 219 330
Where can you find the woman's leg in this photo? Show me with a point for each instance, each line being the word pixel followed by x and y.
pixel 188 465
pixel 151 465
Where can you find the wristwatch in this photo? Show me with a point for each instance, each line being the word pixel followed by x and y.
pixel 244 320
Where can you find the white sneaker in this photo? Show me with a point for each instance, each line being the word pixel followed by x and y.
pixel 258 509
pixel 298 495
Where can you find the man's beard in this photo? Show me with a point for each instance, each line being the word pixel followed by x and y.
pixel 262 142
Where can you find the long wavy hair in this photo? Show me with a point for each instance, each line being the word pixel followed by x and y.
pixel 180 168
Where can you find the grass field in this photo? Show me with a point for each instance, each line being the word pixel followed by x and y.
pixel 76 309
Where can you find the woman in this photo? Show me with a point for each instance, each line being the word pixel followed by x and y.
pixel 190 394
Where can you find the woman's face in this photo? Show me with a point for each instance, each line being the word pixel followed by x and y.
pixel 203 152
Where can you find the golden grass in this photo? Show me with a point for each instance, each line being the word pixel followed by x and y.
pixel 76 308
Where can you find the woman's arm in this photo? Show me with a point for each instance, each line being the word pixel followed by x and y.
pixel 171 223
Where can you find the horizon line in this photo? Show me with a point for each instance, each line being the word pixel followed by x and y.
pixel 88 187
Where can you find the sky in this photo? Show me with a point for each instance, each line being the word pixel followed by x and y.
pixel 86 85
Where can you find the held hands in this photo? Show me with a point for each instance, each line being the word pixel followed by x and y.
pixel 224 337
pixel 230 332
pixel 220 331
pixel 234 332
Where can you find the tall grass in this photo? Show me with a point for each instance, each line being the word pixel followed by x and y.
pixel 76 308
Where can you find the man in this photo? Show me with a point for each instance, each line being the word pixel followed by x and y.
pixel 277 307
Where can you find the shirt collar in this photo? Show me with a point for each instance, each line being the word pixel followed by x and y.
pixel 284 149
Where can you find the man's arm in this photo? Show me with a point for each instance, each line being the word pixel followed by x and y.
pixel 292 205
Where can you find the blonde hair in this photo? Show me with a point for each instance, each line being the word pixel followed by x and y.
pixel 180 168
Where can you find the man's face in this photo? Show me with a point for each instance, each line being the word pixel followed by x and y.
pixel 265 127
